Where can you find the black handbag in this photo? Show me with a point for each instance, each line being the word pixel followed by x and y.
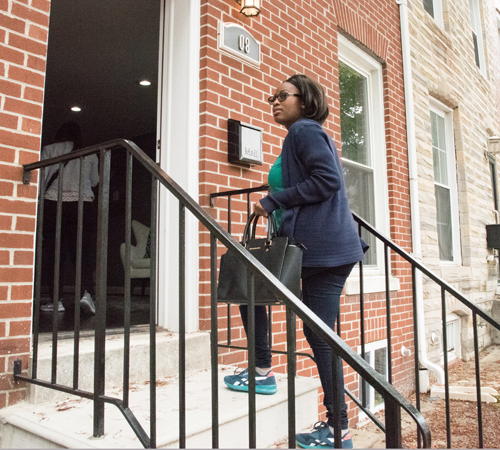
pixel 282 258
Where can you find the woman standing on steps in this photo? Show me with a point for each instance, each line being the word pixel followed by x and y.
pixel 308 198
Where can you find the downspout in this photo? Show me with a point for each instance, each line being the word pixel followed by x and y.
pixel 412 169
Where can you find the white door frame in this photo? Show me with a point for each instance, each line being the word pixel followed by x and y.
pixel 178 128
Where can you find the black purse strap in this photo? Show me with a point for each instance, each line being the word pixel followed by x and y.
pixel 253 220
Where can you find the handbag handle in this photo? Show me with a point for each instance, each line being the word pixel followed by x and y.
pixel 271 229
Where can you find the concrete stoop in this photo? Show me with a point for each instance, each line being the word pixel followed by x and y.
pixel 167 360
pixel 67 422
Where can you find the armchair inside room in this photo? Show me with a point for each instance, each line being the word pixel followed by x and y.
pixel 139 262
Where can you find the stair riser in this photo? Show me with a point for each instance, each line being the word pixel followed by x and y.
pixel 272 426
pixel 167 364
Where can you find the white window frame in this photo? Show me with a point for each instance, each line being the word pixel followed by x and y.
pixel 447 114
pixel 370 348
pixel 477 29
pixel 437 6
pixel 370 68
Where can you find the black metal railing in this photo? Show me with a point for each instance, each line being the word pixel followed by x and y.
pixel 394 401
pixel 415 265
pixel 444 288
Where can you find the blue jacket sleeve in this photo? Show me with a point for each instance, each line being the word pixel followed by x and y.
pixel 320 173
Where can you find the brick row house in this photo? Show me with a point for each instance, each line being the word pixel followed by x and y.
pixel 159 73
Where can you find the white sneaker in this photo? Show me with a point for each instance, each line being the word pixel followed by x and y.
pixel 87 304
pixel 49 307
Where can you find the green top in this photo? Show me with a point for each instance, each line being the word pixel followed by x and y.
pixel 275 181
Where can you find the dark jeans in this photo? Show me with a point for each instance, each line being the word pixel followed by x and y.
pixel 263 356
pixel 69 229
pixel 321 290
pixel 321 293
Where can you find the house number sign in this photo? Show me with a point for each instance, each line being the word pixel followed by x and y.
pixel 235 40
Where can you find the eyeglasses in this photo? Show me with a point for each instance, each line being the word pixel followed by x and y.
pixel 282 96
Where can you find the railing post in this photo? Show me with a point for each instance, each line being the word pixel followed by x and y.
pixel 393 438
pixel 388 313
pixel 78 279
pixel 57 275
pixel 478 383
pixel 292 370
pixel 101 275
pixel 152 313
pixel 415 343
pixel 337 400
pixel 252 425
pixel 182 326
pixel 127 287
pixel 38 275
pixel 446 377
pixel 214 341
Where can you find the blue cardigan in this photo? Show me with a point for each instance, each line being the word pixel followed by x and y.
pixel 317 214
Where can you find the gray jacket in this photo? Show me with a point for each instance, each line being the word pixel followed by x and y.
pixel 71 171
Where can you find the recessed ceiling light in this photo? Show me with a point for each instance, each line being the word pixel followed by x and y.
pixel 76 109
pixel 145 83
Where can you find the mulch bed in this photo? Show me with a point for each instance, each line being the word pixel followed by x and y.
pixel 463 414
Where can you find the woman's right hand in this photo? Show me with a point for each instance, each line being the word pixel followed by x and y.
pixel 259 210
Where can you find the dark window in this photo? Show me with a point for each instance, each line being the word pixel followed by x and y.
pixel 494 189
pixel 476 49
pixel 429 7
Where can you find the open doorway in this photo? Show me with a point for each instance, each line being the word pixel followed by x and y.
pixel 99 52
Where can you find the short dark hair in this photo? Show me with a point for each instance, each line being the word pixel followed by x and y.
pixel 313 97
pixel 70 131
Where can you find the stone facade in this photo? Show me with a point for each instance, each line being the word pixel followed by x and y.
pixel 444 70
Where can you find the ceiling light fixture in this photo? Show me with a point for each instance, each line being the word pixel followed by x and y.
pixel 76 109
pixel 249 7
pixel 145 83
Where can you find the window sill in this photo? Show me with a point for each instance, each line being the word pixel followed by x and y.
pixel 371 284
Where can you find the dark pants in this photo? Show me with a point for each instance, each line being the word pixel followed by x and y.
pixel 69 229
pixel 321 290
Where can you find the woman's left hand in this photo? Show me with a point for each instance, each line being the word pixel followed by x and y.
pixel 259 210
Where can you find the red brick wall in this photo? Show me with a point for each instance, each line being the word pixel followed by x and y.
pixel 296 37
pixel 301 37
pixel 23 47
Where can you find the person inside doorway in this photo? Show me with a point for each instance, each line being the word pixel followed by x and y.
pixel 307 195
pixel 67 139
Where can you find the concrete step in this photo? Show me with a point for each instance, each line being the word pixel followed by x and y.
pixel 67 423
pixel 167 360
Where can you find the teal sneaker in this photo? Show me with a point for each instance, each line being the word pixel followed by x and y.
pixel 264 384
pixel 321 437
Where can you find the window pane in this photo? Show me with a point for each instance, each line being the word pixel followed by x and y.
pixel 443 168
pixel 354 115
pixel 366 402
pixel 359 187
pixel 434 129
pixel 443 217
pixel 439 149
pixel 476 49
pixel 381 368
pixel 475 23
pixel 429 7
pixel 450 336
